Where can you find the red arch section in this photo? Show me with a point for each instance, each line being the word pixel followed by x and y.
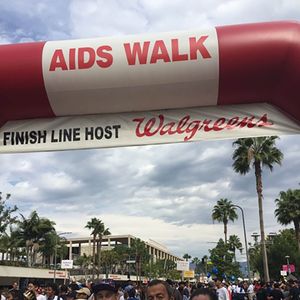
pixel 257 63
pixel 260 63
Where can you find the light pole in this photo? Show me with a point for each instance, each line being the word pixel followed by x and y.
pixel 288 265
pixel 55 251
pixel 246 243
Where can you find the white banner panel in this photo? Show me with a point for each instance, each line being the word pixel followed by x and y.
pixel 144 128
pixel 132 73
pixel 182 265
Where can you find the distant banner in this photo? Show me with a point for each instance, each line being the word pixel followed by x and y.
pixel 145 128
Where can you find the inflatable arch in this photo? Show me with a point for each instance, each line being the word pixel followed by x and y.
pixel 223 82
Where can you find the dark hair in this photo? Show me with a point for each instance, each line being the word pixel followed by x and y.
pixel 53 286
pixel 131 293
pixel 63 288
pixel 165 284
pixel 206 292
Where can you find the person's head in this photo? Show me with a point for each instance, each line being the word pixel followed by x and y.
pixel 203 294
pixel 51 290
pixel 159 290
pixel 218 282
pixel 83 293
pixel 131 293
pixel 15 285
pixel 30 286
pixel 105 290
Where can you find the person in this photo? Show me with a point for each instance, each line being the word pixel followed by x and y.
pixel 159 290
pixel 262 293
pixel 250 291
pixel 15 291
pixel 276 293
pixel 34 287
pixel 222 292
pixel 83 294
pixel 294 290
pixel 204 294
pixel 52 292
pixel 105 290
pixel 7 296
pixel 175 292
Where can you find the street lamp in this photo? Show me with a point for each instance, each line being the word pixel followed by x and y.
pixel 246 243
pixel 288 265
pixel 55 251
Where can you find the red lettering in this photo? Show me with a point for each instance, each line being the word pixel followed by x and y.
pixel 182 123
pixel 58 61
pixel 72 64
pixel 232 122
pixel 106 58
pixel 264 122
pixel 196 46
pixel 219 123
pixel 148 126
pixel 137 52
pixel 159 52
pixel 168 129
pixel 176 56
pixel 246 121
pixel 192 128
pixel 86 57
pixel 205 124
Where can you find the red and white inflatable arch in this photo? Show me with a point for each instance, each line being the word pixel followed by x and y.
pixel 224 82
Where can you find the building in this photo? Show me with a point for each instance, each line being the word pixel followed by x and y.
pixel 80 246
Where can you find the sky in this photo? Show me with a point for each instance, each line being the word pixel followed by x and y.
pixel 163 192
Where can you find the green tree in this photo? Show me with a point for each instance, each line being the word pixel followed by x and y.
pixel 52 245
pixel 6 213
pixel 32 232
pixel 278 247
pixel 199 268
pixel 139 251
pixel 222 258
pixel 109 260
pixel 123 255
pixel 257 153
pixel 186 256
pixel 288 210
pixel 234 243
pixel 98 230
pixel 84 261
pixel 223 212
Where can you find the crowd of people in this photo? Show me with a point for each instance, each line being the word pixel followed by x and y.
pixel 157 290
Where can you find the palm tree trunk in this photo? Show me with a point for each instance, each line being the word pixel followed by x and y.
pixel 225 231
pixel 259 188
pixel 297 232
pixel 94 256
pixel 99 254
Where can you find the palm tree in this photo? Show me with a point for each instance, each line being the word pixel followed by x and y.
pixel 288 210
pixel 98 230
pixel 32 232
pixel 234 243
pixel 223 212
pixel 257 153
pixel 186 256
